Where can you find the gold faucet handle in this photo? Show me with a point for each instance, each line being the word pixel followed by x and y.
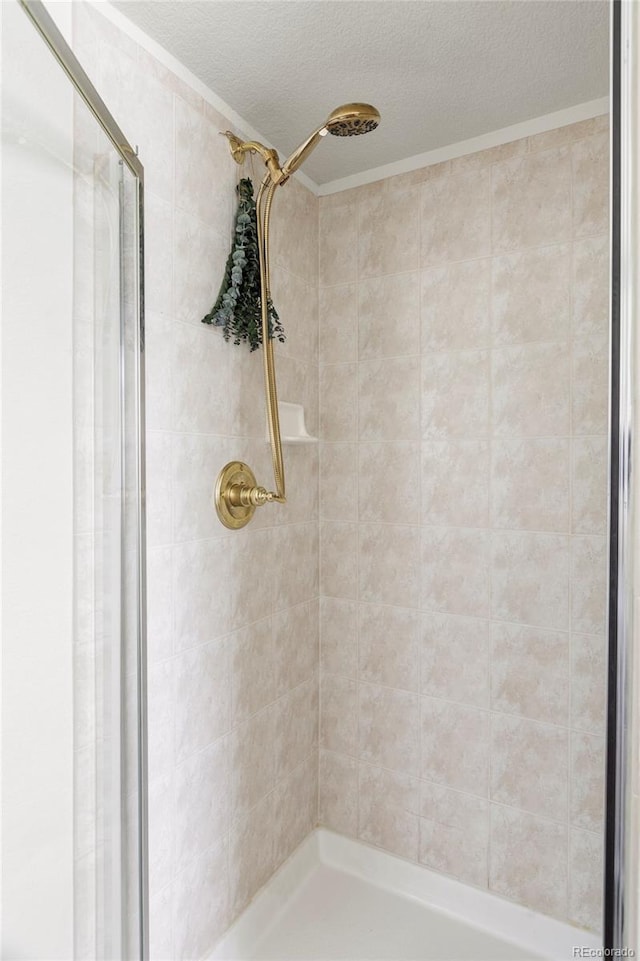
pixel 237 495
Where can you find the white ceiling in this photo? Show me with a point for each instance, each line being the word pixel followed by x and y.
pixel 439 71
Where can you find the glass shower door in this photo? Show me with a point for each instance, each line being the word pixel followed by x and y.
pixel 74 797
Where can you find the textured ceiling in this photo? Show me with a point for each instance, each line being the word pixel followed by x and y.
pixel 439 72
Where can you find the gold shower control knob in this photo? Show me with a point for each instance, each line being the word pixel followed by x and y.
pixel 237 495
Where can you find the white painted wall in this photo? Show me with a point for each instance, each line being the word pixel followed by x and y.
pixel 37 518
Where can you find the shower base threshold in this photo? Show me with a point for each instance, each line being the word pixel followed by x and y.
pixel 340 900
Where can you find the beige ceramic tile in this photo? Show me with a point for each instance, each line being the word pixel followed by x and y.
pixel 455 571
pixel 200 614
pixel 251 762
pixel 589 565
pixel 295 558
pixel 538 786
pixel 388 233
pixel 455 483
pixel 531 390
pixel 388 481
pixel 569 133
pixel 338 402
pixel 296 808
pixel 338 804
pixel 252 669
pixel 389 316
pixel 294 232
pixel 200 380
pixel 160 248
pixel 388 723
pixel 159 489
pixel 251 855
pixel 200 254
pixel 455 395
pixel 388 564
pixel 338 482
pixel 296 645
pixel 590 162
pixel 339 714
pixel 530 484
pixel 338 559
pixel 389 399
pixel 338 244
pixel 204 170
pixel 456 301
pixel 531 296
pixel 296 302
pixel 246 403
pixel 456 220
pixel 302 473
pixel 419 176
pixel 530 579
pixel 339 636
pixel 455 746
pixel 298 383
pixel 589 485
pixel 588 682
pixel 296 734
pixel 162 816
pixel 354 195
pixel 530 672
pixel 250 560
pixel 590 385
pixel 531 200
pixel 338 314
pixel 159 604
pixel 201 910
pixel 586 806
pixel 160 924
pixel 388 810
pixel 585 879
pixel 202 697
pixel 528 860
pixel 454 833
pixel 591 286
pixel 492 155
pixel 196 460
pixel 454 658
pixel 389 646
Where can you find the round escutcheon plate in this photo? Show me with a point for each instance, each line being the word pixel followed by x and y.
pixel 233 474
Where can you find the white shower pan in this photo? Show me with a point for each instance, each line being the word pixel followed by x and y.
pixel 341 900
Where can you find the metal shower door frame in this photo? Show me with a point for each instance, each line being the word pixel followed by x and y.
pixel 46 27
pixel 618 909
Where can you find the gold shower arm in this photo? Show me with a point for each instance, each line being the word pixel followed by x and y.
pixel 240 147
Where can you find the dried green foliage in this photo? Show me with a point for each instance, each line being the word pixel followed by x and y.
pixel 238 307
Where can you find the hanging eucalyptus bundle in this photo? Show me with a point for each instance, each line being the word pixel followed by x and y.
pixel 238 307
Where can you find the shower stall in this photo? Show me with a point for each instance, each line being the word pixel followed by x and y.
pixel 371 718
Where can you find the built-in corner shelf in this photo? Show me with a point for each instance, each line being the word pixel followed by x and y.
pixel 293 429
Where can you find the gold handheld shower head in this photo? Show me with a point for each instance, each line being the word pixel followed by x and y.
pixel 352 119
pixel 349 120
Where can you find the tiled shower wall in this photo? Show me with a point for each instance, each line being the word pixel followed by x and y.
pixel 463 364
pixel 233 620
pixel 463 409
